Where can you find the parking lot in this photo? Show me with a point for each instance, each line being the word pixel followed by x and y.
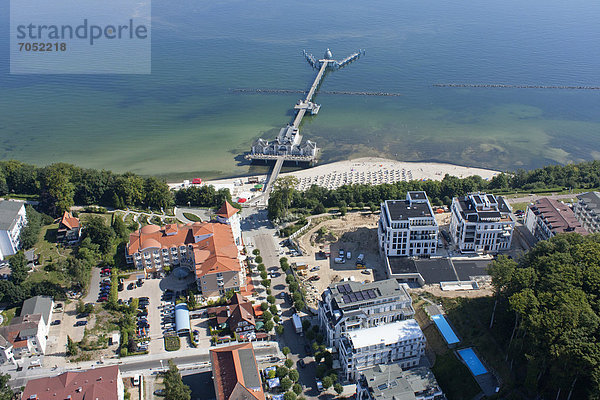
pixel 151 289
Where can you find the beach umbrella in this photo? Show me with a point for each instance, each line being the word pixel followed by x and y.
pixel 241 200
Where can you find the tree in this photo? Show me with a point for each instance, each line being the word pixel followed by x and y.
pixel 327 382
pixel 297 388
pixel 18 268
pixel 276 319
pixel 299 305
pixel 286 383
pixel 266 283
pixel 157 194
pixel 269 326
pixel 279 329
pixel 267 316
pixel 119 227
pixel 281 372
pixel 80 307
pixel 289 396
pixel 306 325
pixel 256 252
pixel 271 300
pixel 258 259
pixel 288 363
pixel 264 306
pixel 263 275
pixel 338 388
pixel 273 309
pixel 71 347
pixel 99 233
pixel 57 190
pixel 175 389
pixel 286 350
pixel 6 392
pixel 294 375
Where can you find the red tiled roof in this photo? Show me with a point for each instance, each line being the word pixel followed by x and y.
pixel 227 210
pixel 69 221
pixel 240 309
pixel 558 216
pixel 228 374
pixel 98 383
pixel 216 252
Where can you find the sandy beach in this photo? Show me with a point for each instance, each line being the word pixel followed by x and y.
pixel 368 171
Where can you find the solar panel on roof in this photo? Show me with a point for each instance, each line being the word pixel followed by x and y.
pixel 348 288
pixel 371 293
pixel 352 296
pixel 346 298
pixel 341 289
pixel 360 296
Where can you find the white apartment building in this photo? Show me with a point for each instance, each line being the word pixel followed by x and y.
pixel 481 222
pixel 407 227
pixel 401 342
pixel 349 306
pixel 587 211
pixel 12 219
pixel 385 382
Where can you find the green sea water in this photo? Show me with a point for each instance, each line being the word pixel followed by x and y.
pixel 184 120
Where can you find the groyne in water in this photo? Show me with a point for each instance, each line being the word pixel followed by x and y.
pixel 493 86
pixel 334 92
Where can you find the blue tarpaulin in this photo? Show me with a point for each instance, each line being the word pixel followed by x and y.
pixel 273 383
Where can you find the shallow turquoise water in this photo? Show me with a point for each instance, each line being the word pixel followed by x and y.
pixel 184 117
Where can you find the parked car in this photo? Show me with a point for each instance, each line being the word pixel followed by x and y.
pixel 314 278
pixel 81 323
pixel 348 255
pixel 316 268
pixel 102 299
pixel 196 336
pixel 301 363
pixel 130 286
pixel 342 253
pixel 82 315
pixel 160 392
pixel 55 322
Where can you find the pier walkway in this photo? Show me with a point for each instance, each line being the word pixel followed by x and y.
pixel 287 146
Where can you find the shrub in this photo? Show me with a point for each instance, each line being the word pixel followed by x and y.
pixel 289 396
pixel 297 388
pixel 338 388
pixel 288 362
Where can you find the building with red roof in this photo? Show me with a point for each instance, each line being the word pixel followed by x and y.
pixel 235 373
pixel 208 249
pixel 230 215
pixel 238 315
pixel 103 383
pixel 69 229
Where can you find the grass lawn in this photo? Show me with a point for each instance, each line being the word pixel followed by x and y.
pixel 8 315
pixel 192 217
pixel 47 248
pixel 519 206
pixel 172 343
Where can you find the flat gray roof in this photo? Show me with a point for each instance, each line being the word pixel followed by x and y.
pixel 401 210
pixel 8 213
pixel 592 200
pixel 391 382
pixel 356 293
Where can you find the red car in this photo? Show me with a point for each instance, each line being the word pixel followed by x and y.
pixel 101 299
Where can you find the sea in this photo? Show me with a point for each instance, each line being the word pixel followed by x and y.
pixel 187 120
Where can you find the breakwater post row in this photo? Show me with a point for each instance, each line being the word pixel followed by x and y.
pixel 508 86
pixel 332 92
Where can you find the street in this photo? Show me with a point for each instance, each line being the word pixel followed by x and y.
pixel 259 233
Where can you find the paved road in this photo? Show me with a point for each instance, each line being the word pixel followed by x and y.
pixel 145 365
pixel 259 232
pixel 203 214
pixel 533 197
pixel 94 288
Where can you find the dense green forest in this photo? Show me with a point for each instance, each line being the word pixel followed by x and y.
pixel 553 292
pixel 585 175
pixel 60 186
